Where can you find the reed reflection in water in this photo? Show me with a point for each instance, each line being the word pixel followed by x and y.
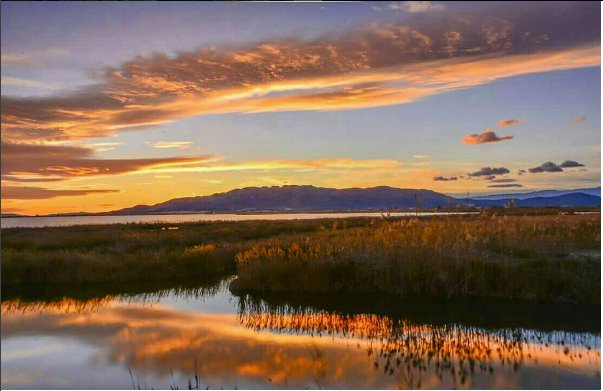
pixel 236 342
pixel 413 353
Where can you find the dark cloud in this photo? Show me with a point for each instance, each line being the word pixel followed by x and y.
pixel 509 122
pixel 38 193
pixel 521 172
pixel 487 136
pixel 546 167
pixel 509 185
pixel 570 163
pixel 441 178
pixel 488 171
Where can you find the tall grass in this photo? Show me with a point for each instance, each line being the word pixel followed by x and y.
pixel 534 258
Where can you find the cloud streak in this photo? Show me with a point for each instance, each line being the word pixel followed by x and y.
pixel 509 122
pixel 38 193
pixel 171 144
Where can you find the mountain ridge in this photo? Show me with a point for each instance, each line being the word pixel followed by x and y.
pixel 596 191
pixel 306 198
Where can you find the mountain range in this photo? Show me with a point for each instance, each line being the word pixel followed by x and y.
pixel 309 198
pixel 596 191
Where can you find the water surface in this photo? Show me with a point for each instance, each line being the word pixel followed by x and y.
pixel 56 221
pixel 165 338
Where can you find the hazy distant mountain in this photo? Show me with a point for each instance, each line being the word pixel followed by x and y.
pixel 595 191
pixel 571 199
pixel 7 215
pixel 310 198
pixel 299 198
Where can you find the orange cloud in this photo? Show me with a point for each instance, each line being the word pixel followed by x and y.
pixel 578 120
pixel 374 66
pixel 509 122
pixel 487 136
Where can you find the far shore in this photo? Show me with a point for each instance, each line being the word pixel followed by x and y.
pixel 553 209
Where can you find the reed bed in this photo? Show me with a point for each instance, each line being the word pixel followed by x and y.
pixel 532 258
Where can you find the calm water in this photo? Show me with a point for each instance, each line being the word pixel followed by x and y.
pixel 94 341
pixel 33 222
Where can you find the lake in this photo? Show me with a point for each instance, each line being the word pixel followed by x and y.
pixel 56 221
pixel 159 337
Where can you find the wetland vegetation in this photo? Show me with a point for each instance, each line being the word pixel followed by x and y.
pixel 536 258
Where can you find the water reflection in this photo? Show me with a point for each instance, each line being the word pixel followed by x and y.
pixel 232 342
pixel 413 353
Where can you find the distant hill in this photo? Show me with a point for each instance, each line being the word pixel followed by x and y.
pixel 572 199
pixel 595 191
pixel 7 215
pixel 299 198
pixel 310 198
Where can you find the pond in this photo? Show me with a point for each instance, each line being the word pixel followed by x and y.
pixel 160 337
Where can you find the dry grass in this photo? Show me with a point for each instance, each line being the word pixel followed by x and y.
pixel 534 258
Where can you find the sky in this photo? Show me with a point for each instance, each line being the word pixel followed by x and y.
pixel 107 105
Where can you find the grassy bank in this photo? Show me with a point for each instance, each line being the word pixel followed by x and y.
pixel 138 252
pixel 532 258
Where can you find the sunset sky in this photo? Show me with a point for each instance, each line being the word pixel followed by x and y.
pixel 107 105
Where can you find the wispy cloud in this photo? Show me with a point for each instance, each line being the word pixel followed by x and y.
pixel 171 144
pixel 578 120
pixel 420 156
pixel 487 136
pixel 509 122
pixel 105 146
pixel 9 59
pixel 38 193
pixel 18 82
